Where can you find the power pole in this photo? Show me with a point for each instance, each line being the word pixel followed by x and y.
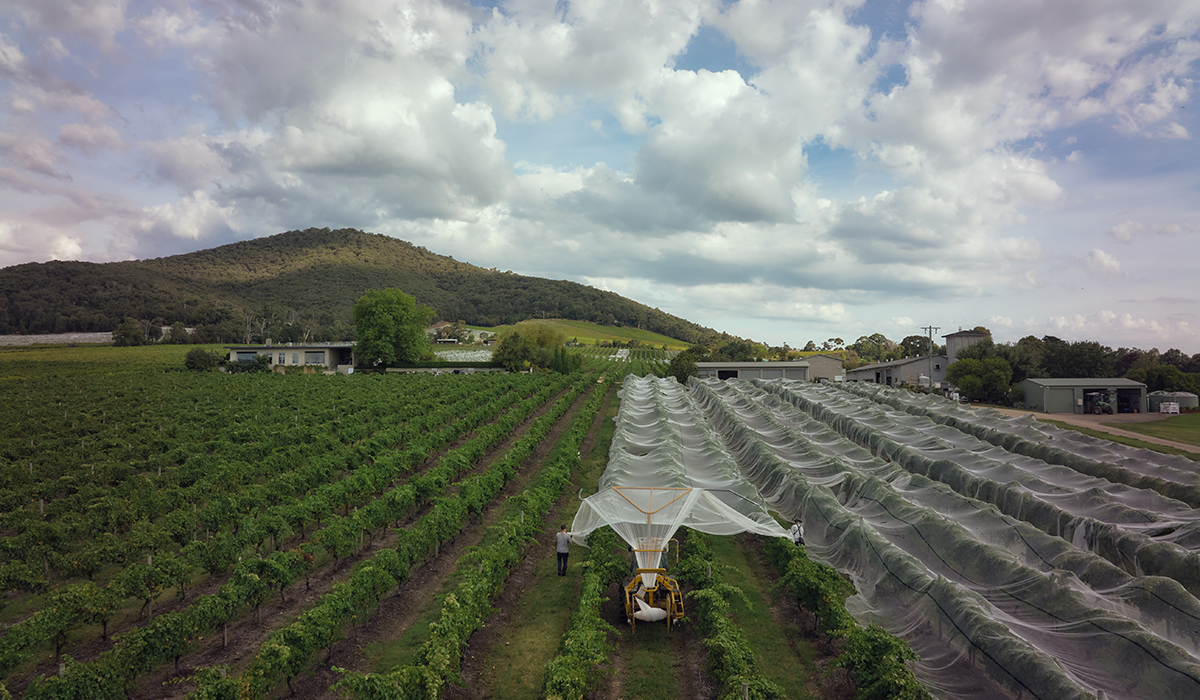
pixel 930 330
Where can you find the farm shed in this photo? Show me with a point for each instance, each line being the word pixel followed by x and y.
pixel 1084 395
pixel 824 367
pixel 956 342
pixel 900 372
pixel 332 356
pixel 754 370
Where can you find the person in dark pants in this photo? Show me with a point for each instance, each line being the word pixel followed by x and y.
pixel 797 532
pixel 563 549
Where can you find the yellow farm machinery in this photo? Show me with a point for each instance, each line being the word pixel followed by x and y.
pixel 646 517
pixel 651 595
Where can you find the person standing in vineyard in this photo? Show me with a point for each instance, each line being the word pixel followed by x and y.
pixel 797 532
pixel 564 548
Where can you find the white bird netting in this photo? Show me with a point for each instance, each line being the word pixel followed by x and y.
pixel 1016 559
pixel 667 469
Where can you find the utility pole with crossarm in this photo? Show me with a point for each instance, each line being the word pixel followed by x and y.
pixel 930 330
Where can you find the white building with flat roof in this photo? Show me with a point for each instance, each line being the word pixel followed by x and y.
pixel 337 357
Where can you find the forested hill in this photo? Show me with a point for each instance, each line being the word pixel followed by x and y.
pixel 310 277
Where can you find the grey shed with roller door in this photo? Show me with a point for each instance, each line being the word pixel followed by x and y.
pixel 1076 395
pixel 753 370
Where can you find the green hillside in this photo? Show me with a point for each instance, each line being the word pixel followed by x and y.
pixel 588 333
pixel 309 278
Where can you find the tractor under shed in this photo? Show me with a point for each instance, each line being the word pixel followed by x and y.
pixel 1085 395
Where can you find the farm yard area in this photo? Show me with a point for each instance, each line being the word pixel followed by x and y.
pixel 166 534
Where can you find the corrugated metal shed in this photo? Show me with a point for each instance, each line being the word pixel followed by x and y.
pixel 1071 395
pixel 754 370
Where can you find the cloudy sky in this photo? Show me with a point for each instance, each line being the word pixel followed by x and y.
pixel 782 170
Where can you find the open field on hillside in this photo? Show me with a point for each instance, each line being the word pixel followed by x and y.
pixel 591 333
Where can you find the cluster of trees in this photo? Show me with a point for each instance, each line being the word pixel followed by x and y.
pixel 869 349
pixel 77 297
pixel 201 360
pixel 877 348
pixel 391 328
pixel 271 321
pixel 989 371
pixel 528 346
pixel 866 350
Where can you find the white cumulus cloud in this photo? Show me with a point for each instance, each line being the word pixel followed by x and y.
pixel 1100 261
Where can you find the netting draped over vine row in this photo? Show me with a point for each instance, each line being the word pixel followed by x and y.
pixel 1029 436
pixel 667 469
pixel 979 557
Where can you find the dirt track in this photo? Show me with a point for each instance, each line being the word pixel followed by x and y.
pixel 1104 423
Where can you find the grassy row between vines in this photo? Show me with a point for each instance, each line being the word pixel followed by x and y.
pixel 540 618
pixel 733 662
pixel 878 662
pixel 466 608
pixel 584 646
pixel 289 650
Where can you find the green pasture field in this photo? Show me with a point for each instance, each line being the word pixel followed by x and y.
pixel 1183 428
pixel 17 362
pixel 1132 442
